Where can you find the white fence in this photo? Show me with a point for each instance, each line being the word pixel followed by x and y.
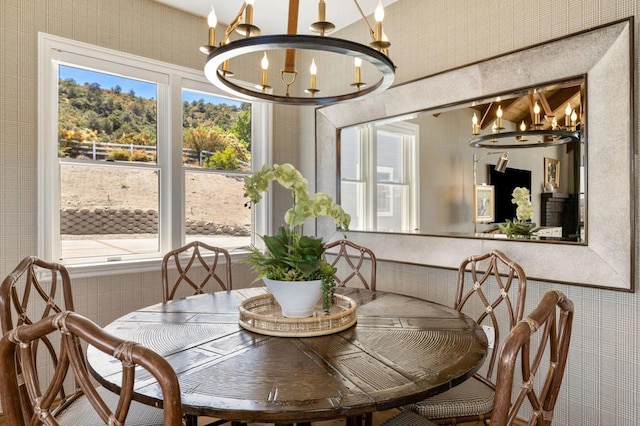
pixel 100 150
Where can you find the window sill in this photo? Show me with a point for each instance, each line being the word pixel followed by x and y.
pixel 100 269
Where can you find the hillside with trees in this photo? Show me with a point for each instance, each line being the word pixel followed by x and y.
pixel 90 113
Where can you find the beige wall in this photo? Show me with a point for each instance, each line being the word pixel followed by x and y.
pixel 602 384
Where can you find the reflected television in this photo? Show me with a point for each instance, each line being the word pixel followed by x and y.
pixel 504 184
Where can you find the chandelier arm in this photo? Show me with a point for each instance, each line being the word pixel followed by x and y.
pixel 234 23
pixel 364 18
pixel 292 21
pixel 290 55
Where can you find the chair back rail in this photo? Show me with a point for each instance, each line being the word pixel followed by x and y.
pixel 72 329
pixel 33 280
pixel 540 345
pixel 354 259
pixel 552 321
pixel 186 260
pixel 34 290
pixel 487 280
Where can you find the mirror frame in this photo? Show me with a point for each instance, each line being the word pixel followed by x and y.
pixel 608 259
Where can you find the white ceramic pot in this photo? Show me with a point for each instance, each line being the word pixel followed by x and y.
pixel 296 298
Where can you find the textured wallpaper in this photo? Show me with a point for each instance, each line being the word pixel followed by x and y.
pixel 602 385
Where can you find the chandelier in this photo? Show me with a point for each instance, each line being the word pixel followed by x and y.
pixel 253 54
pixel 538 117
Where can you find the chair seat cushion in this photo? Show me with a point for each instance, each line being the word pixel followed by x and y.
pixel 81 412
pixel 470 398
pixel 407 418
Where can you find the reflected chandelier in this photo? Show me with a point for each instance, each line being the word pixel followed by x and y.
pixel 221 58
pixel 542 129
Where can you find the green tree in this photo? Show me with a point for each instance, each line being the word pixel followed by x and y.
pixel 240 147
pixel 223 160
pixel 94 95
pixel 203 139
pixel 242 127
pixel 137 138
pixel 113 114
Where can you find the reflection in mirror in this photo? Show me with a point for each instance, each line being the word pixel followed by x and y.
pixel 608 257
pixel 418 173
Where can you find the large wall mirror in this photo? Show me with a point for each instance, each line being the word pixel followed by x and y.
pixel 418 173
pixel 419 200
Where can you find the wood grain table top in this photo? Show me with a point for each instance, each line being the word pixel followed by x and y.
pixel 401 350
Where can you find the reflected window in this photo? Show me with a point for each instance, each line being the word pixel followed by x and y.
pixel 379 182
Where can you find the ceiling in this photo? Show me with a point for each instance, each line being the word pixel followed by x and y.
pixel 271 15
pixel 552 99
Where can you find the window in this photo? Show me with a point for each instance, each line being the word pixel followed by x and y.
pixel 107 165
pixel 379 185
pixel 216 147
pixel 138 157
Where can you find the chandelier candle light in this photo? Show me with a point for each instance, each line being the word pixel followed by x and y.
pixel 264 64
pixel 212 21
pixel 474 125
pixel 313 70
pixel 499 119
pixel 248 29
pixel 219 56
pixel 357 64
pixel 536 112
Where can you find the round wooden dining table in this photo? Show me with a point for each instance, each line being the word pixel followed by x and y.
pixel 402 349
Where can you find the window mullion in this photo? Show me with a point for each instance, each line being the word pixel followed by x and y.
pixel 372 178
pixel 261 127
pixel 49 189
pixel 414 178
pixel 170 164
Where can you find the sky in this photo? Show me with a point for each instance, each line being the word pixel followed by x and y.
pixel 141 88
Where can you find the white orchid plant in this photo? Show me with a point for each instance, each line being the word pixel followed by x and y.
pixel 521 225
pixel 290 255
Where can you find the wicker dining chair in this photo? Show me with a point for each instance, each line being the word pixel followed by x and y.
pixel 483 292
pixel 36 290
pixel 353 262
pixel 197 264
pixel 19 346
pixel 552 320
pixel 188 260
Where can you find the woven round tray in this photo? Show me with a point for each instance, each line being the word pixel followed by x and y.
pixel 262 314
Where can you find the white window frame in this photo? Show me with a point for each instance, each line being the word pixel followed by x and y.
pixel 171 80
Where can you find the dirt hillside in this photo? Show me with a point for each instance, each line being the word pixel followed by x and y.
pixel 209 198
